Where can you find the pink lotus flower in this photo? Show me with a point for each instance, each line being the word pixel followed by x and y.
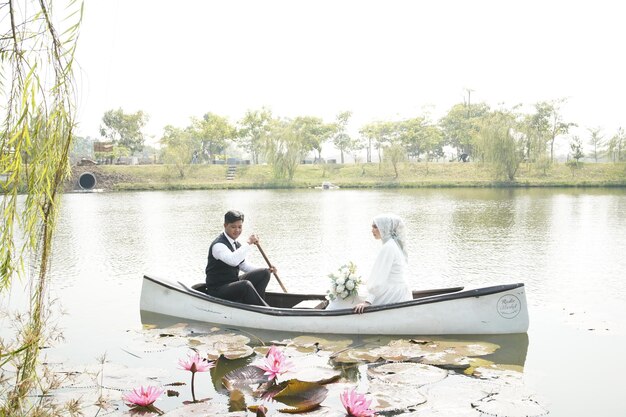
pixel 195 363
pixel 357 405
pixel 142 397
pixel 275 363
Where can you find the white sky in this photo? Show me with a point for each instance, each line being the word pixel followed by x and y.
pixel 382 60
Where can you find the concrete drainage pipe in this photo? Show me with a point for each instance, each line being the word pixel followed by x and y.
pixel 87 181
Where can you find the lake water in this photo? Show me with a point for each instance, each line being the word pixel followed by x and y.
pixel 567 245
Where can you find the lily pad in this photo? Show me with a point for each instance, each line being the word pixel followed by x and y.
pixel 155 341
pixel 231 346
pixel 237 401
pixel 452 396
pixel 508 374
pixel 358 355
pixel 205 409
pixel 450 360
pixel 463 348
pixel 114 376
pixel 244 377
pixel 318 412
pixel 388 398
pixel 509 403
pixel 300 396
pixel 319 374
pixel 316 343
pixel 406 373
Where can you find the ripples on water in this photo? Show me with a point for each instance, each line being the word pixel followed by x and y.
pixel 556 241
pixel 567 245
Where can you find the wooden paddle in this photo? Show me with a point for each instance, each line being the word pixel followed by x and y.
pixel 270 265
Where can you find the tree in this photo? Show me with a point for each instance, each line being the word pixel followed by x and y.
pixel 381 133
pixel 420 137
pixel 596 140
pixel 36 63
pixel 535 128
pixel 341 139
pixel 81 148
pixel 394 154
pixel 411 133
pixel 355 146
pixel 460 126
pixel 212 133
pixel 284 148
pixel 501 144
pixel 576 149
pixel 124 129
pixel 312 133
pixel 549 124
pixel 252 129
pixel 617 145
pixel 178 148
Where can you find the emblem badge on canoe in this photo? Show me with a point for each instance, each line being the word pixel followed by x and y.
pixel 509 306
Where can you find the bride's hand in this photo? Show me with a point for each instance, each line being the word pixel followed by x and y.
pixel 361 306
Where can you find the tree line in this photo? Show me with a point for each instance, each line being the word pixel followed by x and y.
pixel 502 138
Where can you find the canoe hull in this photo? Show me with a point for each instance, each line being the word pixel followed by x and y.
pixel 492 310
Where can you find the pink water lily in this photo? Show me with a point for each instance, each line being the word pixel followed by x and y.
pixel 275 363
pixel 195 363
pixel 142 397
pixel 357 405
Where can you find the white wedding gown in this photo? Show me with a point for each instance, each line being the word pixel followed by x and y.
pixel 386 283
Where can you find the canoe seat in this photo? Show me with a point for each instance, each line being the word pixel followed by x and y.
pixel 310 304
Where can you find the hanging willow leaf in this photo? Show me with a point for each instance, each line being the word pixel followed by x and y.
pixel 300 396
pixel 244 377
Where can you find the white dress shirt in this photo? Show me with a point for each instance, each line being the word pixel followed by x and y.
pixel 236 258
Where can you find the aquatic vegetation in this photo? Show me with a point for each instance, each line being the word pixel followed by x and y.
pixel 309 374
pixel 142 397
pixel 275 363
pixel 509 403
pixel 406 373
pixel 230 345
pixel 356 404
pixel 194 363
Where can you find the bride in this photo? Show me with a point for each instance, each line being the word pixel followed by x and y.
pixel 386 283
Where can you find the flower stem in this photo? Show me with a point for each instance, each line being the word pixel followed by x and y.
pixel 193 394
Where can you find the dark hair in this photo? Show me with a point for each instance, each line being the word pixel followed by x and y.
pixel 232 216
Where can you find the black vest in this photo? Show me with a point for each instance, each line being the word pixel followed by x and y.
pixel 219 273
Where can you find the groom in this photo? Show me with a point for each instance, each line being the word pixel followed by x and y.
pixel 227 257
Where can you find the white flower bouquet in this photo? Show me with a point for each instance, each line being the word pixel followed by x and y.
pixel 345 283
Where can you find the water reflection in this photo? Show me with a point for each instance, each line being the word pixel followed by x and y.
pixel 512 350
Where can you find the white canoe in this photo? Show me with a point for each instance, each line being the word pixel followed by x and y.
pixel 499 309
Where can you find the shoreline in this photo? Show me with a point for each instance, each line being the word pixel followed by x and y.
pixel 119 178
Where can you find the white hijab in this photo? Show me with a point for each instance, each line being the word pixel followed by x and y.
pixel 391 226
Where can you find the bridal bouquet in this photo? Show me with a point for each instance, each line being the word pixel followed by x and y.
pixel 344 283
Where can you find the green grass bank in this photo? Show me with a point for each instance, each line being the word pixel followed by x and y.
pixel 373 175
